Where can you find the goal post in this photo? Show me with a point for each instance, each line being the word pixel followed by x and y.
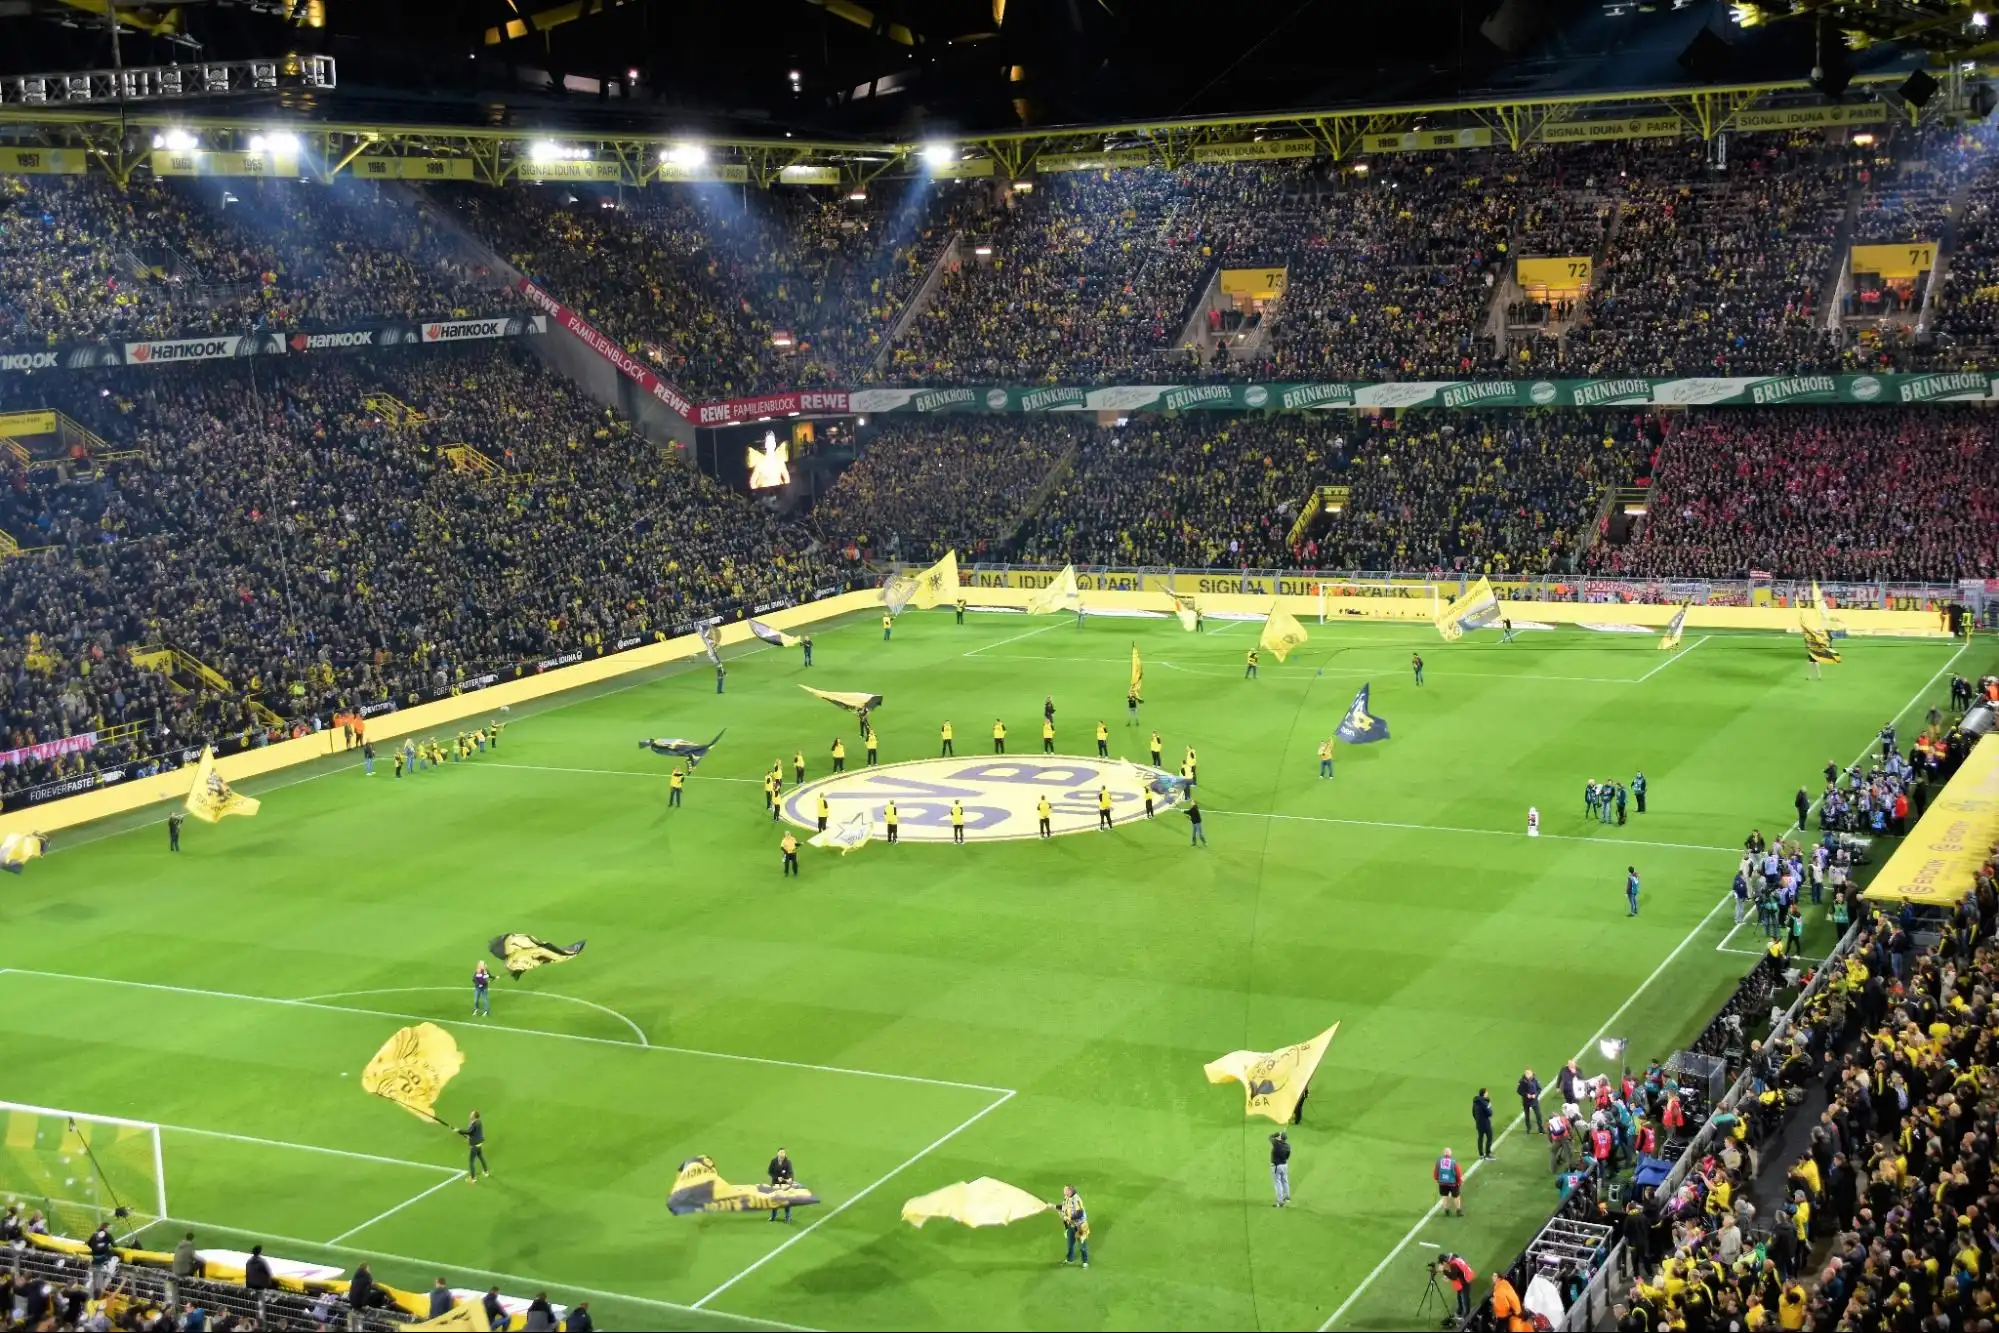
pixel 81 1169
pixel 1424 595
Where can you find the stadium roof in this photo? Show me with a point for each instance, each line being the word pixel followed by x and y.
pixel 875 70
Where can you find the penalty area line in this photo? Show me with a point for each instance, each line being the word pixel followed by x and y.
pixel 1014 638
pixel 387 1213
pixel 891 1174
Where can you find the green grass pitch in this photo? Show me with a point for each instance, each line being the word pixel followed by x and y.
pixel 903 1017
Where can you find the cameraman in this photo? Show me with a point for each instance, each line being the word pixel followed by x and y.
pixel 1454 1270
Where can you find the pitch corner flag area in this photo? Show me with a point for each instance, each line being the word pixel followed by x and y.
pixel 1073 870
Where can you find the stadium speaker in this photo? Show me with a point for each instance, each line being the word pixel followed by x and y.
pixel 1514 26
pixel 1706 57
pixel 1983 101
pixel 1917 89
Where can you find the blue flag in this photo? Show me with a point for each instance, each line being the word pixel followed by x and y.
pixel 1359 726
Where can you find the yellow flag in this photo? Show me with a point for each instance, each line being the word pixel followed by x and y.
pixel 1675 627
pixel 1061 595
pixel 984 1202
pixel 17 849
pixel 1137 675
pixel 1478 608
pixel 1818 640
pixel 851 700
pixel 210 799
pixel 465 1315
pixel 1273 1081
pixel 1281 632
pixel 412 1068
pixel 938 584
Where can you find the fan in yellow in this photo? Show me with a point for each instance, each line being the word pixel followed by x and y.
pixel 211 799
pixel 1273 1081
pixel 412 1068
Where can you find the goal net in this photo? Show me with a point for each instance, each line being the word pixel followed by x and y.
pixel 79 1169
pixel 1416 601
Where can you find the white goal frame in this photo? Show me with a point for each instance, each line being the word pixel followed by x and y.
pixel 159 1199
pixel 1427 595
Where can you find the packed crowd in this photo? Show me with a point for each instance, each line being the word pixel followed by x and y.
pixel 1508 493
pixel 81 259
pixel 1966 317
pixel 703 283
pixel 1819 493
pixel 313 543
pixel 922 488
pixel 1886 1218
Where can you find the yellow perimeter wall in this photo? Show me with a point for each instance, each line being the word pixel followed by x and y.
pixel 1296 597
pixel 1935 863
pixel 139 792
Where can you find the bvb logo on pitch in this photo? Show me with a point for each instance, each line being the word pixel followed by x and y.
pixel 999 794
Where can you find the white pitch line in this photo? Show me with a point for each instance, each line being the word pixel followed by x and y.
pixel 253 1139
pixel 387 1213
pixel 511 1279
pixel 1012 638
pixel 1486 832
pixel 1672 658
pixel 637 1031
pixel 1727 899
pixel 937 1143
pixel 507 1027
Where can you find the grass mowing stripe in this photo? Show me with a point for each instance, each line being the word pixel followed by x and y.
pixel 637 1031
pixel 505 1027
pixel 1487 832
pixel 1521 1118
pixel 387 1213
pixel 891 1174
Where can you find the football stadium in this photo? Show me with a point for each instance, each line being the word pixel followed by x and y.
pixel 999 666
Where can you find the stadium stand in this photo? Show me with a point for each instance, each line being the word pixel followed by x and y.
pixel 1967 305
pixel 1811 493
pixel 1430 491
pixel 81 259
pixel 316 552
pixel 698 282
pixel 924 487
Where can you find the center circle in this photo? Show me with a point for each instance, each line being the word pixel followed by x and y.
pixel 1000 795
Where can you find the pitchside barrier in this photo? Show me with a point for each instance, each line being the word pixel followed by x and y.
pixel 137 793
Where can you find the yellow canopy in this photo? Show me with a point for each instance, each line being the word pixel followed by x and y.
pixel 984 1202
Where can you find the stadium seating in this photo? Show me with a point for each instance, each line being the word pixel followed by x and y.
pixel 1895 1196
pixel 1818 493
pixel 924 487
pixel 317 553
pixel 1432 491
pixel 699 281
pixel 80 259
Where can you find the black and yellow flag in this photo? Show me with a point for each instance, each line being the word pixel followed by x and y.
pixel 210 799
pixel 1281 632
pixel 1273 1081
pixel 1137 688
pixel 17 849
pixel 1818 646
pixel 522 952
pixel 412 1068
pixel 700 1189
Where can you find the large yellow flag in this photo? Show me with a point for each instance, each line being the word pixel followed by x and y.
pixel 1281 632
pixel 464 1315
pixel 1061 595
pixel 210 799
pixel 984 1202
pixel 1273 1081
pixel 938 584
pixel 17 849
pixel 851 700
pixel 1478 608
pixel 1137 675
pixel 1675 627
pixel 412 1068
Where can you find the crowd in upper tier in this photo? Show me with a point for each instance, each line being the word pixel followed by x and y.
pixel 1399 266
pixel 314 536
